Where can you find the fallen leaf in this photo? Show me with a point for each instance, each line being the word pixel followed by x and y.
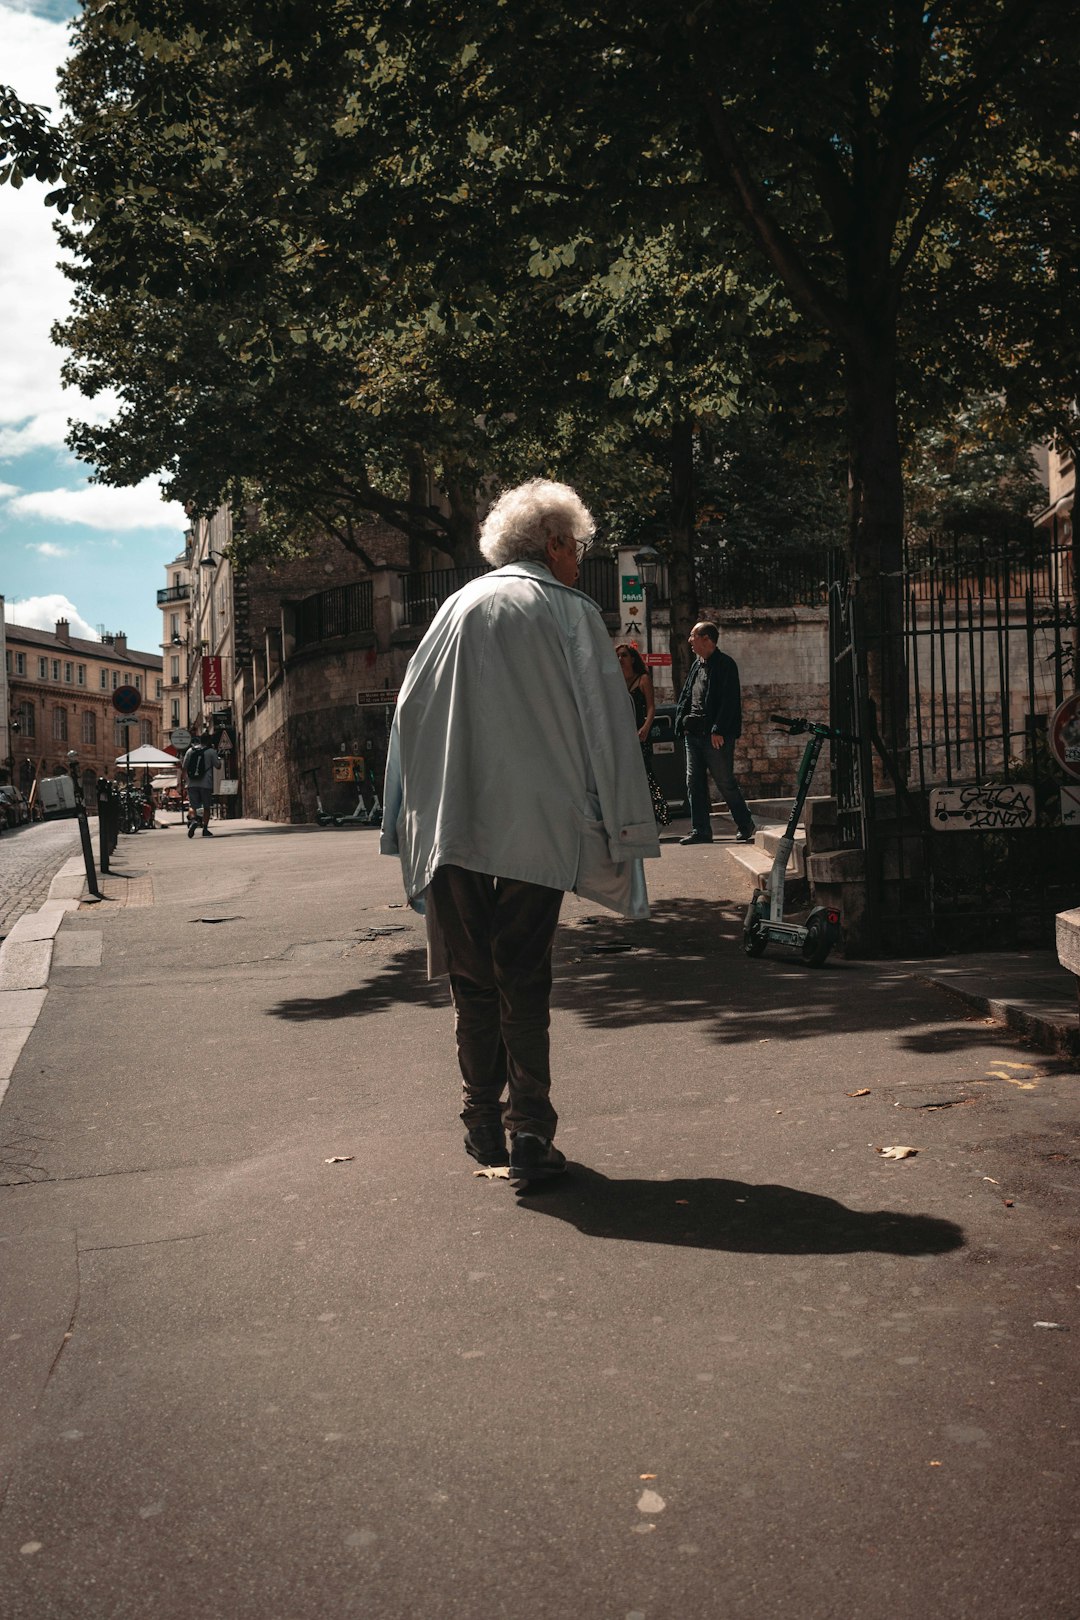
pixel 646 1476
pixel 1007 1202
pixel 494 1172
pixel 897 1152
pixel 651 1502
pixel 863 1091
pixel 1058 1326
pixel 678 1201
pixel 340 1158
pixel 935 1465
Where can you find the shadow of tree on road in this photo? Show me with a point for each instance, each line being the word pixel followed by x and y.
pixel 746 1218
pixel 687 965
pixel 403 979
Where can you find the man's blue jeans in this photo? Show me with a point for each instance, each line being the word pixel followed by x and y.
pixel 702 757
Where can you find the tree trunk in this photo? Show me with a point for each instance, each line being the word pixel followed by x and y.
pixel 464 525
pixel 876 512
pixel 681 573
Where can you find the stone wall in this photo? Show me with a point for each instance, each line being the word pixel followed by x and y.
pixel 783 659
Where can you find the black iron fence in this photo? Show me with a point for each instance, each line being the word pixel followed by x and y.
pixel 971 837
pixel 344 610
pixel 425 592
pixel 762 580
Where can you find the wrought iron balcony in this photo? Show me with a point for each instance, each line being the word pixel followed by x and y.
pixel 173 593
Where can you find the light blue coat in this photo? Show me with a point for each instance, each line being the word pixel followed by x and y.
pixel 514 749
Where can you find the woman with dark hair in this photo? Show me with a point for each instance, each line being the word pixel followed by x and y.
pixel 639 685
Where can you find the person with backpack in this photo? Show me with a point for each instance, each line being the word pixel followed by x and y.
pixel 200 762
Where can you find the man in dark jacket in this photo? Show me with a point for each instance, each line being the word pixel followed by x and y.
pixel 708 717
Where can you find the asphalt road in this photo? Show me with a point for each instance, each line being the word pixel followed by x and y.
pixel 30 857
pixel 738 1364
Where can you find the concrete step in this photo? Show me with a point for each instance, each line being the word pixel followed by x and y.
pixel 747 866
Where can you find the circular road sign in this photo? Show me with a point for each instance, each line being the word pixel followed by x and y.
pixel 180 737
pixel 1064 734
pixel 126 699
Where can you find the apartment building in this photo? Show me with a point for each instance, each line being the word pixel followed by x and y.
pixel 60 701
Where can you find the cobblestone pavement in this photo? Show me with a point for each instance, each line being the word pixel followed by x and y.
pixel 30 857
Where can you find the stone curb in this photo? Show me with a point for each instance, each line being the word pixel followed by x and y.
pixel 25 962
pixel 1052 1034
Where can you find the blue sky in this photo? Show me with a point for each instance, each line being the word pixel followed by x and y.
pixel 68 548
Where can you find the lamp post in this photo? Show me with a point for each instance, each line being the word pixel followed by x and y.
pixel 648 562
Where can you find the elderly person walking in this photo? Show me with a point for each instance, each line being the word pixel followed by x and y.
pixel 514 773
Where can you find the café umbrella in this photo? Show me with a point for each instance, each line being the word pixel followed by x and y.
pixel 146 756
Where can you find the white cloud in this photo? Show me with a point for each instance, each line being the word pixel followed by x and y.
pixel 42 612
pixel 47 549
pixel 99 507
pixel 8 489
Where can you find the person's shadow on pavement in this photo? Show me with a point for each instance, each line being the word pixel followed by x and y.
pixel 708 1213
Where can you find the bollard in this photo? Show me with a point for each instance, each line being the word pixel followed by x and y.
pixel 88 851
pixel 104 817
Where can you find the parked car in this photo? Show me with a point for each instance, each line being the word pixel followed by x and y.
pixel 14 806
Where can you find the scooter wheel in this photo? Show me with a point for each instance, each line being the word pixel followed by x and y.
pixel 753 939
pixel 817 945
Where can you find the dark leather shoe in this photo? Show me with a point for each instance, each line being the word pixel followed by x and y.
pixel 207 833
pixel 534 1159
pixel 487 1145
pixel 697 838
pixel 191 828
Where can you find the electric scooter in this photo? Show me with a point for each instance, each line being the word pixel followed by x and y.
pixel 764 923
pixel 361 816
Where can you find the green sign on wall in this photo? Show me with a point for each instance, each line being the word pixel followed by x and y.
pixel 631 588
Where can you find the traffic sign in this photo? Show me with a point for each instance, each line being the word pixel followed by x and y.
pixel 1064 734
pixel 126 699
pixel 180 737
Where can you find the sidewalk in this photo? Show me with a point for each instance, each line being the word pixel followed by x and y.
pixel 273 1352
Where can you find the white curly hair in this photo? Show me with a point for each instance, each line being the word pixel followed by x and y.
pixel 520 524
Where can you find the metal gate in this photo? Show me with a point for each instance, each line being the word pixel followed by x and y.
pixel 964 838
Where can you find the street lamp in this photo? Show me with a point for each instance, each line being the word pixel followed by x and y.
pixel 648 561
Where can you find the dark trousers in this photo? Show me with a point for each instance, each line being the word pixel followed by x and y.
pixel 702 757
pixel 498 934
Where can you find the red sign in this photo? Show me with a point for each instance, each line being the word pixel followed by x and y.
pixel 1064 734
pixel 211 678
pixel 658 660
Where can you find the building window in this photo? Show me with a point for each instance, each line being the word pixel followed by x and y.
pixel 157 690
pixel 59 724
pixel 174 670
pixel 146 731
pixel 104 680
pixel 82 674
pixel 8 660
pixel 89 726
pixel 174 626
pixel 26 719
pixel 43 669
pixel 174 718
pixel 20 663
pixel 69 672
pixel 115 679
pixel 119 727
pixel 138 683
pixel 56 669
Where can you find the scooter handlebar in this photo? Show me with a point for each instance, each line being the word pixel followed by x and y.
pixel 795 728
